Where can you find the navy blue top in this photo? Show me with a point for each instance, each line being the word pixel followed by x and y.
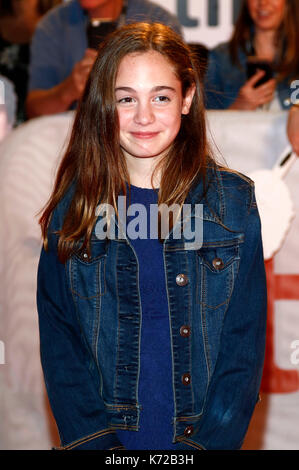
pixel 155 391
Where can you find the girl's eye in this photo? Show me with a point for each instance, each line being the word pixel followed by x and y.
pixel 126 99
pixel 161 99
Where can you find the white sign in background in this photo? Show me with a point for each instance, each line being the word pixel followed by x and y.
pixel 208 22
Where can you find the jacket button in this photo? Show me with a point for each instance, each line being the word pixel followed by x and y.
pixel 181 279
pixel 186 379
pixel 188 431
pixel 217 263
pixel 185 331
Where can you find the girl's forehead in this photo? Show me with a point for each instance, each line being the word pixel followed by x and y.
pixel 151 60
pixel 146 56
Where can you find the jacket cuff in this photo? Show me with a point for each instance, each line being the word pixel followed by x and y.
pixel 106 439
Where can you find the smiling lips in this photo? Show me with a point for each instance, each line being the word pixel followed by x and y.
pixel 144 135
pixel 264 14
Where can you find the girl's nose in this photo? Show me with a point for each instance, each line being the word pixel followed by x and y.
pixel 264 3
pixel 144 114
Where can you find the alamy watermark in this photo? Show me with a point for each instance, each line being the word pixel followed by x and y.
pixel 294 358
pixel 2 92
pixel 135 222
pixel 2 353
pixel 295 93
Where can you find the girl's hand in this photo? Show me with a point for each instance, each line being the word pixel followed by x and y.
pixel 250 98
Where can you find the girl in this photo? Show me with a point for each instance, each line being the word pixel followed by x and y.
pixel 149 340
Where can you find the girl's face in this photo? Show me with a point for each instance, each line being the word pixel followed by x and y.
pixel 266 14
pixel 149 102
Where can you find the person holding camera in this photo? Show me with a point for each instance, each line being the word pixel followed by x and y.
pixel 265 42
pixel 64 47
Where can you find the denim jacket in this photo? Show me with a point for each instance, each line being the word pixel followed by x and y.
pixel 224 79
pixel 90 323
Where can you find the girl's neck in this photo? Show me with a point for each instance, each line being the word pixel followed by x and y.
pixel 265 44
pixel 141 170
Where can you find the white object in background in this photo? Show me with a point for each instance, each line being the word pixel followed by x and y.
pixel 274 202
pixel 4 127
pixel 29 156
pixel 8 105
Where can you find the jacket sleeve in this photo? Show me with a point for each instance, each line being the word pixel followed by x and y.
pixel 214 93
pixel 234 386
pixel 71 377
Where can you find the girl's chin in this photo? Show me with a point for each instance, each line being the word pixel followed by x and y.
pixel 144 154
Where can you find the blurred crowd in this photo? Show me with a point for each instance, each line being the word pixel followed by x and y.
pixel 48 47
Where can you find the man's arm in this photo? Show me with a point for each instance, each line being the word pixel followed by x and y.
pixel 59 62
pixel 60 97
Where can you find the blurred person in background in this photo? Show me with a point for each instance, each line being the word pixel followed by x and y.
pixel 267 30
pixel 266 33
pixel 18 19
pixel 64 47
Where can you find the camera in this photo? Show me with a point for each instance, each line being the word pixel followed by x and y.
pixel 254 64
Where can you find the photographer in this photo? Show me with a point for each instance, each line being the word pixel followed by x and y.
pixel 267 30
pixel 62 55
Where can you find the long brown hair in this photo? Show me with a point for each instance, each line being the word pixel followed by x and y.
pixel 94 162
pixel 287 39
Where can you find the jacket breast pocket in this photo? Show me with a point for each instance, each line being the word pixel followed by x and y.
pixel 219 264
pixel 87 273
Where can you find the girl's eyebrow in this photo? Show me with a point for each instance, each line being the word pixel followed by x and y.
pixel 156 88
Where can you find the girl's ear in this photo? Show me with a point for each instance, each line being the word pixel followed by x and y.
pixel 187 100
